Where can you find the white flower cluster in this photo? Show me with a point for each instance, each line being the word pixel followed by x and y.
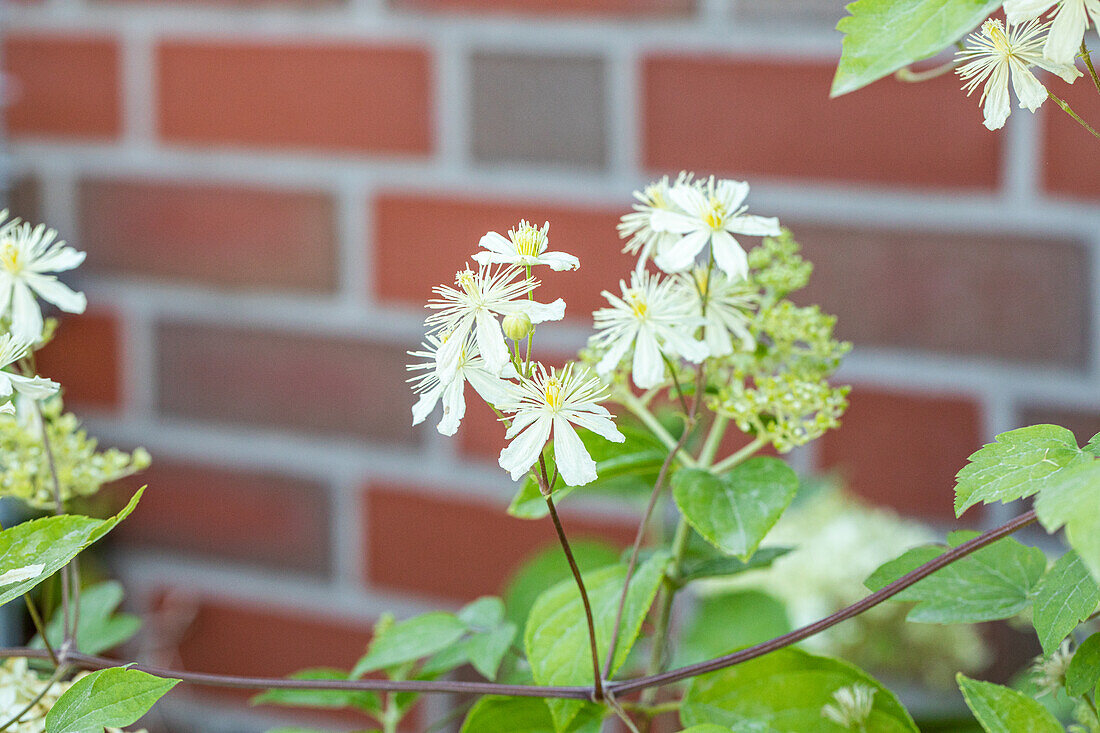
pixel 19 685
pixel 28 256
pixel 467 342
pixel 995 56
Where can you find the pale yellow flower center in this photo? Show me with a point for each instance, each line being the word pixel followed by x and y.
pixel 529 241
pixel 9 256
pixel 715 214
pixel 701 281
pixel 996 33
pixel 655 194
pixel 636 300
pixel 553 393
pixel 466 280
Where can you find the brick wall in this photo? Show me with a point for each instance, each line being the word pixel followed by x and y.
pixel 268 189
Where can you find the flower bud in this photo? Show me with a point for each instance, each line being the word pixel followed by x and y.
pixel 518 326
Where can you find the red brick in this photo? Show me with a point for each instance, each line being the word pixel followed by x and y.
pixel 1070 155
pixel 243 516
pixel 622 8
pixel 85 358
pixel 24 199
pixel 219 235
pixel 1083 423
pixel 903 450
pixel 284 381
pixel 750 118
pixel 974 294
pixel 351 97
pixel 455 548
pixel 66 86
pixel 413 253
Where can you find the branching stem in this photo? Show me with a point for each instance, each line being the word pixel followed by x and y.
pixel 69 595
pixel 1088 63
pixel 1069 111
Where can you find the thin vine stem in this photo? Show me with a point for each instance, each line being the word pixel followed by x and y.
pixel 547 487
pixel 90 662
pixel 907 74
pixel 69 594
pixel 1088 63
pixel 40 627
pixel 1069 111
pixel 658 487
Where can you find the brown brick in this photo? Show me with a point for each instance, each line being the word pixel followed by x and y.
pixel 903 450
pixel 65 86
pixel 353 97
pixel 1070 156
pixel 411 255
pixel 284 381
pixel 216 235
pixel 458 548
pixel 775 119
pixel 250 517
pixel 538 109
pixel 621 8
pixel 85 357
pixel 1083 423
pixel 24 199
pixel 1009 297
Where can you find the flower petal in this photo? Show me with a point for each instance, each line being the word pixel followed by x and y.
pixel 601 426
pixel 1029 90
pixel 560 261
pixel 996 104
pixel 26 318
pixel 1066 32
pixel 497 243
pixel 574 464
pixel 648 369
pixel 519 455
pixel 756 226
pixel 540 312
pixel 673 221
pixel 681 255
pixel 688 198
pixel 454 407
pixel 729 256
pixel 426 404
pixel 615 354
pixel 57 292
pixel 34 387
pixel 491 388
pixel 59 259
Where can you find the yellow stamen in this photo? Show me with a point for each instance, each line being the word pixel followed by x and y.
pixel 655 194
pixel 996 33
pixel 553 393
pixel 529 241
pixel 716 213
pixel 636 300
pixel 466 280
pixel 9 256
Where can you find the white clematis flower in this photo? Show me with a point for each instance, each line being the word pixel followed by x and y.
pixel 26 255
pixel 1071 20
pixel 653 316
pixel 551 404
pixel 995 56
pixel 712 213
pixel 473 307
pixel 525 246
pixel 730 303
pixel 637 226
pixel 471 368
pixel 36 388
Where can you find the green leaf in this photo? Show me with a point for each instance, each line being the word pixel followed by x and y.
pixel 483 614
pixel 1083 673
pixel 486 649
pixel 110 697
pixel 733 512
pixel 50 542
pixel 1066 596
pixel 639 457
pixel 724 623
pixel 1020 463
pixel 525 715
pixel 1072 499
pixel 99 627
pixel 785 691
pixel 548 568
pixel 882 36
pixel 556 637
pixel 995 582
pixel 364 700
pixel 706 728
pixel 703 561
pixel 420 636
pixel 1003 710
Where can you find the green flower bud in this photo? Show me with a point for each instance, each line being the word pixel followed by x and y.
pixel 518 326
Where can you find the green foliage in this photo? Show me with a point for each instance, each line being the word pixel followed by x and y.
pixel 1083 673
pixel 50 542
pixel 1072 499
pixel 998 581
pixel 556 637
pixel 702 560
pixel 99 628
pixel 735 511
pixel 777 267
pixel 548 568
pixel 409 640
pixel 364 700
pixel 110 697
pixel 882 36
pixel 81 469
pixel 1003 710
pixel 488 640
pixel 525 715
pixel 1018 464
pixel 786 691
pixel 1066 596
pixel 631 464
pixel 705 728
pixel 724 623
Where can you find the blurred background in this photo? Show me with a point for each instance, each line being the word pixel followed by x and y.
pixel 268 189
